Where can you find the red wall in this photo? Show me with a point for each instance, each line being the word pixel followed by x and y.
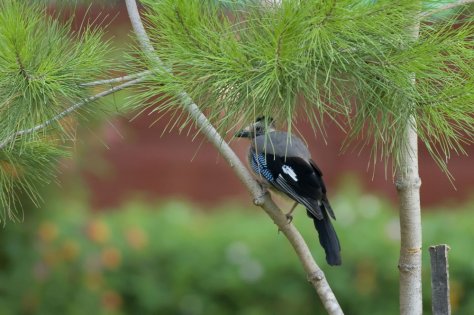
pixel 156 166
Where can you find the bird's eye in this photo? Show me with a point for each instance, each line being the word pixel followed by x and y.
pixel 258 129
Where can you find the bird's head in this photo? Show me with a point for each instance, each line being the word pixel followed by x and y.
pixel 259 127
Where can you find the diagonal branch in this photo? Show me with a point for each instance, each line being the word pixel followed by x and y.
pixel 261 198
pixel 70 110
pixel 117 80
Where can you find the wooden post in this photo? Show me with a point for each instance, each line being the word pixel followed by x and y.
pixel 440 280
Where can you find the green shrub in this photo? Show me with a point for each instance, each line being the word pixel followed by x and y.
pixel 174 259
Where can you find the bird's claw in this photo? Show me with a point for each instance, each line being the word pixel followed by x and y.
pixel 289 217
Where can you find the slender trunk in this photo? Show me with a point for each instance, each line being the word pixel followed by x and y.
pixel 408 186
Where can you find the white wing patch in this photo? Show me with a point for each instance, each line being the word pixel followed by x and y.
pixel 290 172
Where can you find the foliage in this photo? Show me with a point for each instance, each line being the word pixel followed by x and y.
pixel 42 64
pixel 228 3
pixel 23 168
pixel 357 59
pixel 172 259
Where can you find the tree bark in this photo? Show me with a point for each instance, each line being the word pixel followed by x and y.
pixel 408 185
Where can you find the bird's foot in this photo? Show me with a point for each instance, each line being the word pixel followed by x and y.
pixel 289 214
pixel 289 217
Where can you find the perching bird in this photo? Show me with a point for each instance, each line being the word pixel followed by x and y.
pixel 284 164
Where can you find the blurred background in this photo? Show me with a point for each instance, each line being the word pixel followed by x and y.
pixel 146 222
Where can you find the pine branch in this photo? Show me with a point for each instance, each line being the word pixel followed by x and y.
pixel 117 80
pixel 445 7
pixel 71 109
pixel 261 198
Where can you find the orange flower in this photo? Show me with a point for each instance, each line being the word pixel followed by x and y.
pixel 111 258
pixel 136 238
pixel 111 300
pixel 98 231
pixel 47 231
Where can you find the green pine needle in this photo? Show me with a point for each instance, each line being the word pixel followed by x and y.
pixel 24 168
pixel 42 64
pixel 327 59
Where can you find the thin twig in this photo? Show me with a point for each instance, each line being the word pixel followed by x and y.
pixel 445 7
pixel 117 80
pixel 69 110
pixel 261 198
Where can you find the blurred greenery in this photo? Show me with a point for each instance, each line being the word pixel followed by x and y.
pixel 172 258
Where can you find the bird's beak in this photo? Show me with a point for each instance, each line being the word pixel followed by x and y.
pixel 244 133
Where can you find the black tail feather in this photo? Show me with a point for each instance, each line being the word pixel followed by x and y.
pixel 328 238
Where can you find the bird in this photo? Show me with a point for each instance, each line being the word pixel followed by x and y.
pixel 283 163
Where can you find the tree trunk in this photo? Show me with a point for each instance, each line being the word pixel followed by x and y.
pixel 408 186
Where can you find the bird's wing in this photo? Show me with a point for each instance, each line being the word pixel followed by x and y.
pixel 325 200
pixel 316 168
pixel 298 179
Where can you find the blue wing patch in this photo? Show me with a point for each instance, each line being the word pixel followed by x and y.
pixel 259 166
